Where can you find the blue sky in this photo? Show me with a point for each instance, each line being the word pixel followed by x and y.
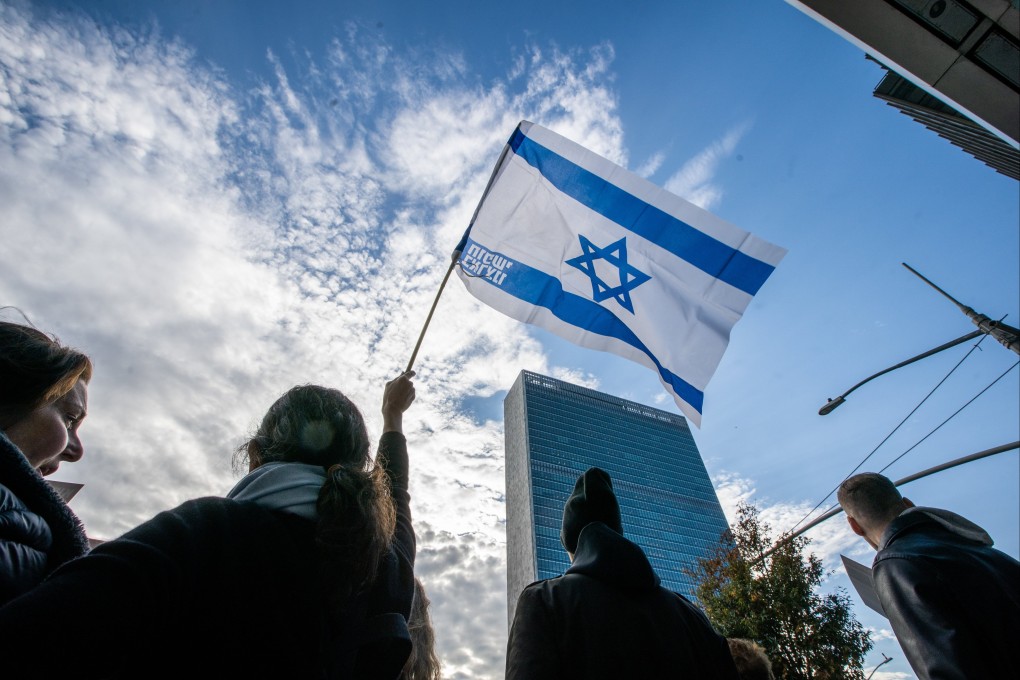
pixel 220 200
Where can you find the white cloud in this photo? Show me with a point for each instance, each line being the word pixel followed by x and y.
pixel 732 490
pixel 582 378
pixel 879 634
pixel 888 675
pixel 694 180
pixel 827 540
pixel 212 243
pixel 651 166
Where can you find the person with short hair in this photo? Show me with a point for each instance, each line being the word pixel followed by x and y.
pixel 43 401
pixel 304 570
pixel 608 617
pixel 952 599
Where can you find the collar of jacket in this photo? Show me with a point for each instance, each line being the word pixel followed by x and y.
pixel 32 489
pixel 919 516
pixel 605 555
pixel 288 487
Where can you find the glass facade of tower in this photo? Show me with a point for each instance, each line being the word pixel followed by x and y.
pixel 555 431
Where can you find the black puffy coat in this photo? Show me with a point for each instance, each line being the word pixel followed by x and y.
pixel 214 588
pixel 38 532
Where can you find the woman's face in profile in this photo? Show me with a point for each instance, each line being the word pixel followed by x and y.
pixel 49 434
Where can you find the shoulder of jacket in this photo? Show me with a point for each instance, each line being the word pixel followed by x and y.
pixel 897 558
pixel 20 525
pixel 213 513
pixel 540 582
pixel 216 509
pixel 9 500
pixel 12 505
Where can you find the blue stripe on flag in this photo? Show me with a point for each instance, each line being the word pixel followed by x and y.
pixel 653 224
pixel 542 290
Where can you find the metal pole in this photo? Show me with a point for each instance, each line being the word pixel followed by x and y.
pixel 1006 335
pixel 885 660
pixel 910 478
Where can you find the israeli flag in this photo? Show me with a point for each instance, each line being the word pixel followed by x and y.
pixel 571 242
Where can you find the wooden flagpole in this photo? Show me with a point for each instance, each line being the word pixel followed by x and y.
pixel 453 263
pixel 457 251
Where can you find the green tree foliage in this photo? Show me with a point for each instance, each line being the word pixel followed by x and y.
pixel 774 600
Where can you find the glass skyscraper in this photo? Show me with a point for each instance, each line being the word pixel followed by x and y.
pixel 555 431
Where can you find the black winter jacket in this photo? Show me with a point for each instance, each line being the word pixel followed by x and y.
pixel 952 599
pixel 215 588
pixel 38 532
pixel 608 618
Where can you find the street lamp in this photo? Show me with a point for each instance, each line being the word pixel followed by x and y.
pixel 831 404
pixel 1007 335
pixel 885 660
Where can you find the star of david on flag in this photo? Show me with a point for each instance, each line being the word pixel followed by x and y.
pixel 567 240
pixel 616 255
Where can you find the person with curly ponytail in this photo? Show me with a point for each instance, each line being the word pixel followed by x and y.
pixel 304 570
pixel 43 399
pixel 424 663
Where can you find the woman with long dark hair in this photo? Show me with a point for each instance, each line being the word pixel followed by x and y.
pixel 424 663
pixel 43 400
pixel 304 570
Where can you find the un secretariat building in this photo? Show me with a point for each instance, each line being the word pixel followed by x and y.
pixel 555 431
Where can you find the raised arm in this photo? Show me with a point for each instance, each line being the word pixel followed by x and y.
pixel 397 397
pixel 394 586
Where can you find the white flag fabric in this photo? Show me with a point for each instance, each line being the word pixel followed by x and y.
pixel 571 242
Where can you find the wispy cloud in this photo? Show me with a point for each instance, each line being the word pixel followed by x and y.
pixel 651 166
pixel 828 540
pixel 212 243
pixel 695 180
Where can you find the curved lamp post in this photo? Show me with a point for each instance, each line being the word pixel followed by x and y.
pixel 1006 335
pixel 909 478
pixel 885 660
